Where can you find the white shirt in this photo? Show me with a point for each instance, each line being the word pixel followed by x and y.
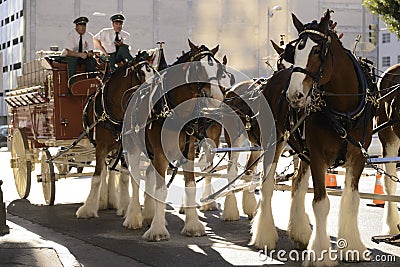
pixel 107 37
pixel 72 42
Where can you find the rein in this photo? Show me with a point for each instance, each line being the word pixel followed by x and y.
pixel 105 115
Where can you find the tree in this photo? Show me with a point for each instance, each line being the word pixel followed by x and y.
pixel 388 11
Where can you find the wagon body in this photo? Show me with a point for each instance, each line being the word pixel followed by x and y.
pixel 45 112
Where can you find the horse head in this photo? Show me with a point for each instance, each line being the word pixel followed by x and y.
pixel 280 65
pixel 204 69
pixel 141 66
pixel 309 55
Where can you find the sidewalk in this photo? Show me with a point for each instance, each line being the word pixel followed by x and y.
pixel 22 247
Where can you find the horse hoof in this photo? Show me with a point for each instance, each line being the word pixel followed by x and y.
pixel 85 213
pixel 155 235
pixel 195 233
pixel 133 224
pixel 231 216
pixel 209 207
pixel 194 229
pixel 121 212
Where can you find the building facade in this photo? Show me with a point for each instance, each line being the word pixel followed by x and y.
pixel 240 27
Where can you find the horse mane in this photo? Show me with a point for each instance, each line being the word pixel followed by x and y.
pixel 186 56
pixel 122 69
pixel 182 59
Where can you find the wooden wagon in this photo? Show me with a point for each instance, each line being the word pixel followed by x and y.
pixel 45 112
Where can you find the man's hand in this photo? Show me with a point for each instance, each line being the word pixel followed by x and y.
pixel 83 55
pixel 119 43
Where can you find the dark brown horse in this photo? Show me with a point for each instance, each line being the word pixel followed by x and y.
pixel 176 96
pixel 330 85
pixel 389 111
pixel 107 110
pixel 237 98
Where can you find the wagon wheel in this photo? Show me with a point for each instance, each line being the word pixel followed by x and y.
pixel 48 178
pixel 22 166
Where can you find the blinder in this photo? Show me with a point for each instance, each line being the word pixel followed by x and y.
pixel 222 73
pixel 288 54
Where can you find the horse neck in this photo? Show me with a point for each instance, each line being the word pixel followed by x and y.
pixel 117 92
pixel 343 79
pixel 391 77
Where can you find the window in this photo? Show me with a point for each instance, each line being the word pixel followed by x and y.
pixel 385 61
pixel 385 38
pixel 12 18
pixel 7 20
pixel 15 41
pixel 5 68
pixel 21 39
pixel 8 44
pixel 21 13
pixel 17 66
pixel 4 45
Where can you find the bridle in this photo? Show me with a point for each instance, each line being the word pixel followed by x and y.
pixel 221 70
pixel 300 42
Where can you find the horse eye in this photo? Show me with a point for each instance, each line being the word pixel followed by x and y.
pixel 317 51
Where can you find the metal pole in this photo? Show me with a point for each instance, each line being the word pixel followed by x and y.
pixel 4 229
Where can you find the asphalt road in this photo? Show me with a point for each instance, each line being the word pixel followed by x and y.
pixel 104 242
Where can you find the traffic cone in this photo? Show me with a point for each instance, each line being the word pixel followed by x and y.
pixel 330 181
pixel 378 189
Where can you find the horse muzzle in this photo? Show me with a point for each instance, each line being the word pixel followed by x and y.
pixel 297 99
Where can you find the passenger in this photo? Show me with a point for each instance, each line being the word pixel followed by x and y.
pixel 114 41
pixel 79 48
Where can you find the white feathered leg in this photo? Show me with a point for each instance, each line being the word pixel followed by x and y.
pixel 123 192
pixel 299 224
pixel 149 202
pixel 157 230
pixel 391 213
pixel 249 202
pixel 348 224
pixel 206 160
pixel 91 206
pixel 112 191
pixel 263 229
pixel 133 216
pixel 208 190
pixel 231 211
pixel 193 226
pixel 103 200
pixel 319 247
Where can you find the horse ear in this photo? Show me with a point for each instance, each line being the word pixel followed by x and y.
pixel 224 60
pixel 324 24
pixel 192 46
pixel 297 23
pixel 215 50
pixel 277 48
